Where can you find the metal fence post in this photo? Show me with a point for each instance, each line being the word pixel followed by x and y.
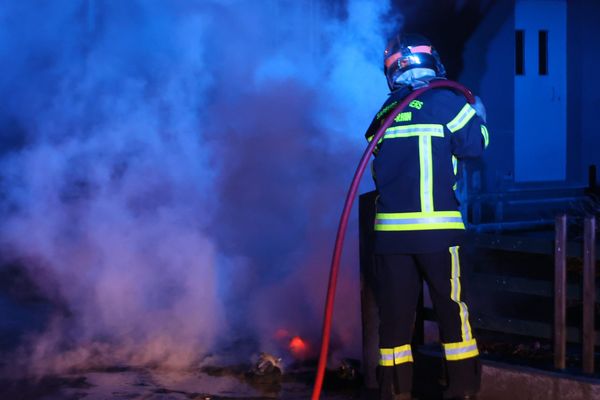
pixel 589 294
pixel 560 281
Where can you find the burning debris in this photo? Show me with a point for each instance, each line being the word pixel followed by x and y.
pixel 299 348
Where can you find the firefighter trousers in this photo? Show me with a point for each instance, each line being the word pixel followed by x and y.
pixel 398 280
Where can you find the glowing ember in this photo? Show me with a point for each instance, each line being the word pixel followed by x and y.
pixel 299 347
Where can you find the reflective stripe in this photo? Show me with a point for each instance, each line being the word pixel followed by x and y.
pixel 455 169
pixel 396 356
pixel 461 119
pixel 376 148
pixel 455 165
pixel 386 357
pixel 486 136
pixel 460 350
pixel 424 132
pixel 420 227
pixel 430 220
pixel 436 130
pixel 420 49
pixel 402 354
pixel 426 163
pixel 418 221
pixel 467 349
pixel 371 138
pixel 455 289
pixel 418 215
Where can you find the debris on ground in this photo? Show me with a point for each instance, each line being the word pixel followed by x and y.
pixel 268 364
pixel 349 369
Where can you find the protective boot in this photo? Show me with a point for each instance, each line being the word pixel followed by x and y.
pixel 463 379
pixel 387 379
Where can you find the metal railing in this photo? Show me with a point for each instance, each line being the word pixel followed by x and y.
pixel 588 333
pixel 560 290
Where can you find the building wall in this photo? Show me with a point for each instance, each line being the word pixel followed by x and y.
pixel 489 67
pixel 489 61
pixel 584 87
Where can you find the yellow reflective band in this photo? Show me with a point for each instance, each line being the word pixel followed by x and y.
pixel 418 221
pixel 455 165
pixel 455 290
pixel 424 132
pixel 409 215
pixel 386 357
pixel 371 138
pixel 459 345
pixel 426 164
pixel 403 131
pixel 460 350
pixel 420 227
pixel 486 136
pixel 376 148
pixel 402 354
pixel 461 119
pixel 455 169
pixel 396 356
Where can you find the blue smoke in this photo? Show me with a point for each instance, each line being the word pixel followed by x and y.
pixel 176 169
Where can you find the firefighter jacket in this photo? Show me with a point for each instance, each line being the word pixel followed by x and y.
pixel 415 170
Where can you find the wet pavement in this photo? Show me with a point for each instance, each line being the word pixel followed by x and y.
pixel 500 381
pixel 149 384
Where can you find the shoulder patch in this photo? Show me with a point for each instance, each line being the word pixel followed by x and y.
pixel 403 117
pixel 416 104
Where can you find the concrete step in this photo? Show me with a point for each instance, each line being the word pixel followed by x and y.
pixel 502 381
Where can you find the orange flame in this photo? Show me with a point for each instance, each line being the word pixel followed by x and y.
pixel 299 347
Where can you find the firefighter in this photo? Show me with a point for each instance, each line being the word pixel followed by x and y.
pixel 418 227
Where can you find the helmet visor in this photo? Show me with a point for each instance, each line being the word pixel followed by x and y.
pixel 407 57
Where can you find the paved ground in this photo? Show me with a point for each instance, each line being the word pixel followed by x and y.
pixel 500 382
pixel 160 385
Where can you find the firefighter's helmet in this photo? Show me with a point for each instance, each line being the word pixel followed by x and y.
pixel 408 51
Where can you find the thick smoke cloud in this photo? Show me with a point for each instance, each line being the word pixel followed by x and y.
pixel 172 172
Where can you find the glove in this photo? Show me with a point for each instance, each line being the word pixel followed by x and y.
pixel 480 109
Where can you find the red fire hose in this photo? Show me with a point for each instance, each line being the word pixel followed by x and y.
pixel 339 241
